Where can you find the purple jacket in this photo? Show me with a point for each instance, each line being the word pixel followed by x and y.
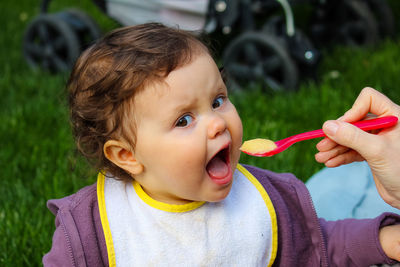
pixel 303 239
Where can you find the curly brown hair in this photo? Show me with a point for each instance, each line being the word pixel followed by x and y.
pixel 107 76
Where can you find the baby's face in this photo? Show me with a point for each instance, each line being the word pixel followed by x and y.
pixel 188 135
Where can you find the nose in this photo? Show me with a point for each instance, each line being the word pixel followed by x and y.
pixel 216 126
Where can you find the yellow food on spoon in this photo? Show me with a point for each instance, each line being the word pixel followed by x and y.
pixel 258 146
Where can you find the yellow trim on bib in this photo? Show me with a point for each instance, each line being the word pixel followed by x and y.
pixel 104 219
pixel 164 206
pixel 270 207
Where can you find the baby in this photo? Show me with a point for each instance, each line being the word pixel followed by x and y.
pixel 149 108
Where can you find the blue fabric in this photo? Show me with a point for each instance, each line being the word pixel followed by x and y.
pixel 347 191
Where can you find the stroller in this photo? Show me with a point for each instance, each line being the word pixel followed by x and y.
pixel 263 47
pixel 268 56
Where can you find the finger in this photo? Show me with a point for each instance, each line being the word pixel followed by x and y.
pixel 350 136
pixel 369 100
pixel 366 117
pixel 327 155
pixel 346 158
pixel 326 144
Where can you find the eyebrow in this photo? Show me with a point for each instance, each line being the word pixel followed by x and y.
pixel 182 106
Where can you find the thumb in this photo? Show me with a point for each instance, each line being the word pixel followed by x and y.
pixel 348 135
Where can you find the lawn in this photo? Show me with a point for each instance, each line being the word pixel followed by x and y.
pixel 37 155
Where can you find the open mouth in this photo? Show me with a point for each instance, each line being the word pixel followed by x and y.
pixel 218 167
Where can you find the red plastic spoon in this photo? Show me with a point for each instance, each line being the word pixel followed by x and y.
pixel 281 145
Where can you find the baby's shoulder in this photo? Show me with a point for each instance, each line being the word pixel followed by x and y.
pixel 78 225
pixel 85 198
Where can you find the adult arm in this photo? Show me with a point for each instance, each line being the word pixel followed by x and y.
pixel 346 143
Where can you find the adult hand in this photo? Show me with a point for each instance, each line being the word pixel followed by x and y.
pixel 347 143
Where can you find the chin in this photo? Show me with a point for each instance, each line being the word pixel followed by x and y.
pixel 222 194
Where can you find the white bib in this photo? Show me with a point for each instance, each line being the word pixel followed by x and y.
pixel 241 230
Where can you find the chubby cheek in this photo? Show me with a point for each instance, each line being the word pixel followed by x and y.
pixel 236 131
pixel 188 156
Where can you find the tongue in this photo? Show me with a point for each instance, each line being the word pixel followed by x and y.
pixel 217 168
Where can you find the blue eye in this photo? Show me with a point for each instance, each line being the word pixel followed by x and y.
pixel 218 102
pixel 184 121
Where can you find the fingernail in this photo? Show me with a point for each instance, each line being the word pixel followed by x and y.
pixel 331 127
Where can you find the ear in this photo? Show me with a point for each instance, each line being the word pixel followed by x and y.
pixel 119 154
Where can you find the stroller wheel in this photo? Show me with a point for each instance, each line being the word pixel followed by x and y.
pixel 50 43
pixel 83 25
pixel 357 25
pixel 259 59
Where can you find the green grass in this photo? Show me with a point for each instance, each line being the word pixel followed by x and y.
pixel 37 156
